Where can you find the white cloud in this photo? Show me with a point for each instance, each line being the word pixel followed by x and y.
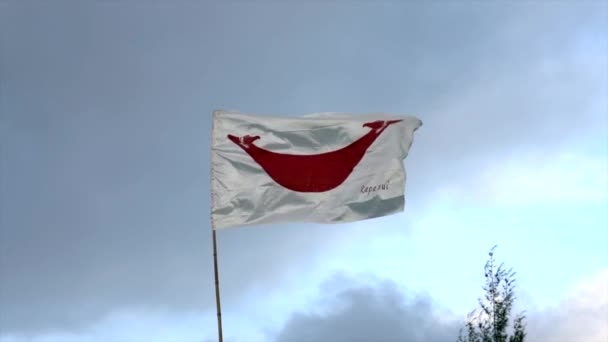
pixel 561 178
pixel 581 317
pixel 131 326
pixel 534 178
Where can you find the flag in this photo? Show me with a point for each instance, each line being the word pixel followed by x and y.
pixel 322 167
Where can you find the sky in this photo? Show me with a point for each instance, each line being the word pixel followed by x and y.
pixel 105 113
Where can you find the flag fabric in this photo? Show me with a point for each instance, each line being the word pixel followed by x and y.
pixel 322 167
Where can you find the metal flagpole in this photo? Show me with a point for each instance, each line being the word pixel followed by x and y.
pixel 217 288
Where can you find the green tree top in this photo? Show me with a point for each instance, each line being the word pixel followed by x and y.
pixel 490 322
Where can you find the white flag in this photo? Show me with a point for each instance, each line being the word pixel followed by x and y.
pixel 324 168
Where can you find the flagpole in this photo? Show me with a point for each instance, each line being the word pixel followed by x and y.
pixel 217 277
pixel 217 288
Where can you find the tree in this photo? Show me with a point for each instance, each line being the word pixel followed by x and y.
pixel 490 323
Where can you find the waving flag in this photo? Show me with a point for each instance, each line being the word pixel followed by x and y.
pixel 324 168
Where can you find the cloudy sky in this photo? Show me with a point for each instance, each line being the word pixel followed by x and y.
pixel 105 112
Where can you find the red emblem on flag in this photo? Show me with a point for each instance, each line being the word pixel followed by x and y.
pixel 316 172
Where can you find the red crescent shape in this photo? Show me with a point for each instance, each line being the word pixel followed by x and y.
pixel 315 172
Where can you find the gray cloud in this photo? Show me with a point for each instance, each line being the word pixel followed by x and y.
pixel 357 308
pixel 104 114
pixel 381 311
pixel 376 312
